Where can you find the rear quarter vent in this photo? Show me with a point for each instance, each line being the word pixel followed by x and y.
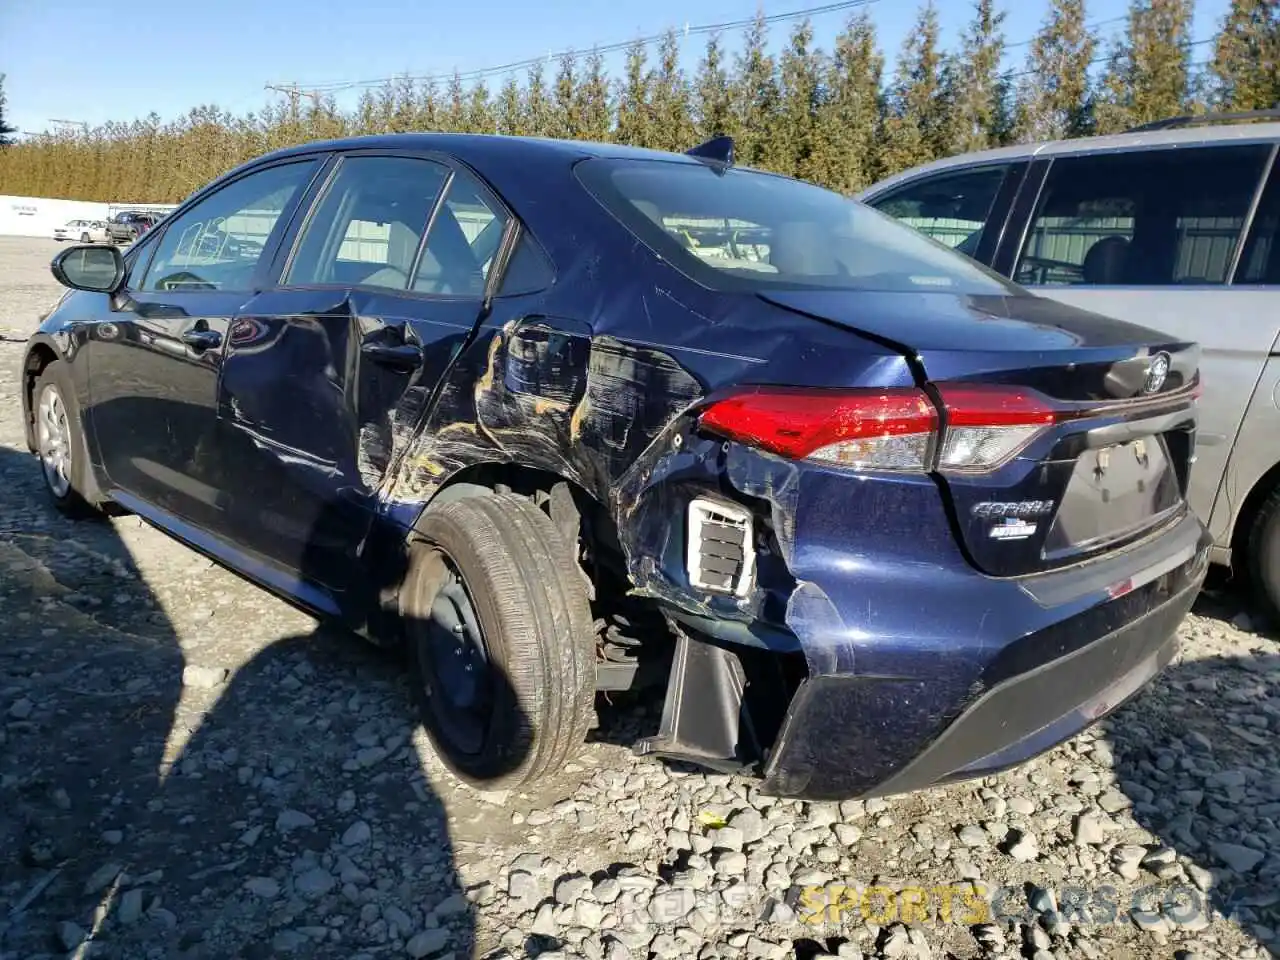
pixel 720 547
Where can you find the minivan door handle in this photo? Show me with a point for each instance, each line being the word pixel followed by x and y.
pixel 397 356
pixel 202 339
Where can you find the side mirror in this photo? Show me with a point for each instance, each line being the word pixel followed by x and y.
pixel 84 267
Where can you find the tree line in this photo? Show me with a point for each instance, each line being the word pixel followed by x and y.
pixel 832 116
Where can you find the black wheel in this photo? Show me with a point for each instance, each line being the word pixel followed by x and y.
pixel 60 443
pixel 1263 557
pixel 500 638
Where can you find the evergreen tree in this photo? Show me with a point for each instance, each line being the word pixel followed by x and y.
pixel 917 124
pixel 538 111
pixel 1055 100
pixel 592 100
pixel 755 98
pixel 634 120
pixel 713 107
pixel 976 94
pixel 510 110
pixel 566 123
pixel 800 90
pixel 1245 72
pixel 6 130
pixel 672 120
pixel 480 113
pixel 455 109
pixel 850 111
pixel 1148 75
pixel 429 115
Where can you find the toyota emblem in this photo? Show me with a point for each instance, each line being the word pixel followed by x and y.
pixel 1157 372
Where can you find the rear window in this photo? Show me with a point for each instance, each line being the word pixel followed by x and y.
pixel 747 230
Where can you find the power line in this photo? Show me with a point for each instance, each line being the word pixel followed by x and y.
pixel 688 30
pixel 295 93
pixel 1088 26
pixel 1103 57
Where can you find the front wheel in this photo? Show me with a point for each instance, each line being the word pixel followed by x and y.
pixel 60 443
pixel 500 637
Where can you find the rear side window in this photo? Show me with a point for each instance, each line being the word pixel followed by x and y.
pixel 366 229
pixel 1147 218
pixel 745 230
pixel 463 242
pixel 952 208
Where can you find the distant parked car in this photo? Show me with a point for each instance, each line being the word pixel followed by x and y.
pixel 1175 225
pixel 86 231
pixel 552 413
pixel 128 226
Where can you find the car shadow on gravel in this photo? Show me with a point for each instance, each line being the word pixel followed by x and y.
pixel 1208 790
pixel 160 808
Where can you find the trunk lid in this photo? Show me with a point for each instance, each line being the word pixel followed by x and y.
pixel 1110 462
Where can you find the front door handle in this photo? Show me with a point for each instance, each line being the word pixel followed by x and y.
pixel 398 356
pixel 202 339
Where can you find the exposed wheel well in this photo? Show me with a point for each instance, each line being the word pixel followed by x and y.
pixel 41 356
pixel 632 632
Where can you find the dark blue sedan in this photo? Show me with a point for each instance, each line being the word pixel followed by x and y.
pixel 564 418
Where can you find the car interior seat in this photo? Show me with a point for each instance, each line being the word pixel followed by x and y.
pixel 1106 262
pixel 803 248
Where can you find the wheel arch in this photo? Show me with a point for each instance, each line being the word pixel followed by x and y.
pixel 40 354
pixel 1242 520
pixel 490 477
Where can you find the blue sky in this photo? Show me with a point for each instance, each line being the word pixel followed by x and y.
pixel 91 61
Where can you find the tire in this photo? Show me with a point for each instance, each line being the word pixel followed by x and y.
pixel 530 606
pixel 64 462
pixel 1262 548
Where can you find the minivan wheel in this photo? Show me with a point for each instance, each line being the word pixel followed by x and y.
pixel 500 639
pixel 1263 557
pixel 60 443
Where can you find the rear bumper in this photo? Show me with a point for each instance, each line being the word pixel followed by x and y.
pixel 848 734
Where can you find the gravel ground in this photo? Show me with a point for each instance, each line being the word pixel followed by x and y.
pixel 191 768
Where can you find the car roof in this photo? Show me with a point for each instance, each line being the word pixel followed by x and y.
pixel 1193 136
pixel 487 145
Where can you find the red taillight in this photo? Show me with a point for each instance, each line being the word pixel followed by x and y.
pixel 885 429
pixel 890 429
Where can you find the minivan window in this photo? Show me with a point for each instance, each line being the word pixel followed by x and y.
pixel 1260 259
pixel 1141 218
pixel 746 230
pixel 950 207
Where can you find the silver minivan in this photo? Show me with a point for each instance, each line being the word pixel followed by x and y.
pixel 1174 226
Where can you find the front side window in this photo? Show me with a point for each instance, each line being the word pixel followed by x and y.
pixel 952 208
pixel 1146 218
pixel 745 230
pixel 217 244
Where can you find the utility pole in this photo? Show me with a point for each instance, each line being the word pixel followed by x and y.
pixel 295 93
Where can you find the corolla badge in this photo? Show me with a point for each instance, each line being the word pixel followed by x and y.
pixel 1157 372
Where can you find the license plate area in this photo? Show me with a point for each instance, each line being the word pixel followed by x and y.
pixel 1114 493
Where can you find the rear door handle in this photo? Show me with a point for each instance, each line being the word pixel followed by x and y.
pixel 399 356
pixel 202 339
